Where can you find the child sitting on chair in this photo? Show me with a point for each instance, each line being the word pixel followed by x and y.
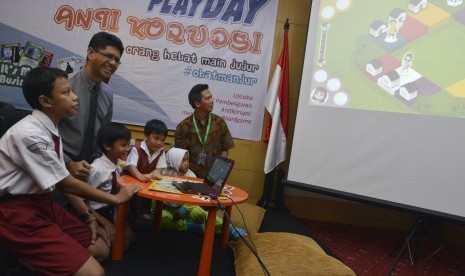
pixel 113 139
pixel 187 217
pixel 146 161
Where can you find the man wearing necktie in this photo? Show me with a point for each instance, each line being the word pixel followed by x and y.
pixel 95 109
pixel 95 103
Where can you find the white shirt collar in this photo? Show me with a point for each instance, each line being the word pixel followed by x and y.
pixel 46 121
pixel 143 146
pixel 109 164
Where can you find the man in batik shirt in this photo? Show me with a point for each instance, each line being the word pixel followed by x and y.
pixel 204 134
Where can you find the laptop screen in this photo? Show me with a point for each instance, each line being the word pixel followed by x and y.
pixel 219 173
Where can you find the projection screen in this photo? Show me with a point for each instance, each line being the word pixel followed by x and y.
pixel 382 104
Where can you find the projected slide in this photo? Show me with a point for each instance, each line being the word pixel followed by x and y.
pixel 402 56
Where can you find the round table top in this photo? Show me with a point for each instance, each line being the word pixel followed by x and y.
pixel 234 195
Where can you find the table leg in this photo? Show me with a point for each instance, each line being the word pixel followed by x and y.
pixel 120 232
pixel 157 217
pixel 225 228
pixel 207 247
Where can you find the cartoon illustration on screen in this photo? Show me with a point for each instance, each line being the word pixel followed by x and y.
pixel 392 30
pixel 454 3
pixel 417 6
pixel 319 95
pixel 374 67
pixel 409 91
pixel 407 63
pixel 402 57
pixel 322 50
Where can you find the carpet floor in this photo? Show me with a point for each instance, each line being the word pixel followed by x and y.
pixel 172 253
pixel 366 250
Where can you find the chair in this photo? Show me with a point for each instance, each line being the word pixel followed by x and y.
pixel 9 117
pixel 6 106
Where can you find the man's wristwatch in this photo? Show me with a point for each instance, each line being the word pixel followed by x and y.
pixel 86 215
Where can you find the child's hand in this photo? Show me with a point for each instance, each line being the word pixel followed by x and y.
pixel 92 223
pixel 126 193
pixel 149 177
pixel 156 175
pixel 145 178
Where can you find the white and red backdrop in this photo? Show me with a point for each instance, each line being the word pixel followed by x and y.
pixel 170 45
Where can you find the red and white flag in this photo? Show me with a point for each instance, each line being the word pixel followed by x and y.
pixel 277 104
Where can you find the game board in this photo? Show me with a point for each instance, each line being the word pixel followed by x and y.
pixel 393 56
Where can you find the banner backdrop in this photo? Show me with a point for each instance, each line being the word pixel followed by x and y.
pixel 169 47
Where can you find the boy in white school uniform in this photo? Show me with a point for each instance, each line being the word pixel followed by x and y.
pixel 114 141
pixel 32 226
pixel 146 161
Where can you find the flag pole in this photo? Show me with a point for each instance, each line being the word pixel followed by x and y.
pixel 286 25
pixel 277 104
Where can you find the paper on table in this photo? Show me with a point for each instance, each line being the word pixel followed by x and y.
pixel 164 185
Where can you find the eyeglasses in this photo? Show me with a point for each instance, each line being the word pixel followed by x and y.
pixel 110 57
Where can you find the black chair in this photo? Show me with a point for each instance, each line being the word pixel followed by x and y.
pixel 9 117
pixel 6 106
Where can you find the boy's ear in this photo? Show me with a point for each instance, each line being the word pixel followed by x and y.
pixel 44 101
pixel 106 147
pixel 197 103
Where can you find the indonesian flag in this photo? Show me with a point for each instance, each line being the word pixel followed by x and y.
pixel 277 104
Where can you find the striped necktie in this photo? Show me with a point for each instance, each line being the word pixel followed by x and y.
pixel 87 151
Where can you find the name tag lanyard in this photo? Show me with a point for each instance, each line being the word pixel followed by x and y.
pixel 203 141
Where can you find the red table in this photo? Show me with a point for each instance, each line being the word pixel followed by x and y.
pixel 238 195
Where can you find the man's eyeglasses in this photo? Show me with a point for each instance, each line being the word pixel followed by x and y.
pixel 110 57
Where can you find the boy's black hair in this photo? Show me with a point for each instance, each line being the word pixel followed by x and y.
pixel 156 126
pixel 195 95
pixel 110 133
pixel 40 81
pixel 101 40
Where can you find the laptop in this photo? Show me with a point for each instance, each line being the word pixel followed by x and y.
pixel 213 182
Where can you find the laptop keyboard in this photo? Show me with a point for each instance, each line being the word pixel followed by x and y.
pixel 182 186
pixel 195 186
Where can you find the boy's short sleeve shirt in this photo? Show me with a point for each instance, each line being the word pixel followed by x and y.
pixel 133 156
pixel 100 177
pixel 29 163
